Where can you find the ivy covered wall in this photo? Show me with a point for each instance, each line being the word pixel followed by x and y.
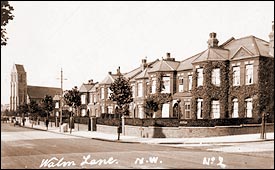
pixel 208 91
pixel 266 86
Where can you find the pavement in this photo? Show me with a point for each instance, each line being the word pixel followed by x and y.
pixel 176 141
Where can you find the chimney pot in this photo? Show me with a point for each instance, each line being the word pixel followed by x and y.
pixel 212 41
pixel 167 55
pixel 110 72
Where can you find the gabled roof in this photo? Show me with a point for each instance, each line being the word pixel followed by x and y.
pixel 212 54
pixel 187 63
pixel 109 79
pixel 164 65
pixel 93 89
pixel 143 74
pixel 39 92
pixel 253 46
pixel 85 87
pixel 132 74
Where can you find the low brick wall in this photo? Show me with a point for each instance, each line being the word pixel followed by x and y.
pixel 106 129
pixel 185 132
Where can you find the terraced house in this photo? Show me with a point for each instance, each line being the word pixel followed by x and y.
pixel 231 80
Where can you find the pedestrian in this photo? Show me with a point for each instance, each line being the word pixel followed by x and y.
pixel 47 123
pixel 24 119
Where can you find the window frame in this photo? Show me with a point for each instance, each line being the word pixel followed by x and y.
pixel 248 74
pixel 200 77
pixel 236 76
pixel 216 76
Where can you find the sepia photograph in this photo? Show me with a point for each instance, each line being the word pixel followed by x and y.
pixel 137 85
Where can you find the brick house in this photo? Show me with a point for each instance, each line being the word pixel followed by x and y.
pixel 86 97
pixel 231 80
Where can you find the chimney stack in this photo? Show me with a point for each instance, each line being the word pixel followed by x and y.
pixel 168 57
pixel 271 41
pixel 90 81
pixel 212 41
pixel 118 71
pixel 110 73
pixel 143 64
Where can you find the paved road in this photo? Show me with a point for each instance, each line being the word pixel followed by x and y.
pixel 28 148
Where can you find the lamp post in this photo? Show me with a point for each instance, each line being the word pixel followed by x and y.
pixel 263 132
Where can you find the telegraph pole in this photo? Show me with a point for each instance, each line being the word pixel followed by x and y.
pixel 61 99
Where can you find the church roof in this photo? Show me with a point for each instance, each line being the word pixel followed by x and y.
pixel 39 92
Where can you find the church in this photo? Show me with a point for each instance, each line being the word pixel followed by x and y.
pixel 22 93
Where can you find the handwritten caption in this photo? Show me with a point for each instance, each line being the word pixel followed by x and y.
pixel 212 161
pixel 54 162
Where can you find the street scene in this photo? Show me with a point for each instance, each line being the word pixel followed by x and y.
pixel 137 85
pixel 24 147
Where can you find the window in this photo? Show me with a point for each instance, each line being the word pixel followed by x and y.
pixel 199 108
pixel 216 77
pixel 249 107
pixel 140 111
pixel 109 92
pixel 83 112
pixel 187 110
pixel 140 89
pixel 133 90
pixel 166 84
pixel 95 98
pixel 57 105
pixel 236 76
pixel 200 76
pixel 83 99
pixel 154 83
pixel 215 109
pixel 102 109
pixel 235 108
pixel 102 93
pixel 249 74
pixel 91 98
pixel 189 83
pixel 181 84
pixel 148 89
pixel 110 109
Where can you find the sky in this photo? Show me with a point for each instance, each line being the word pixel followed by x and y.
pixel 87 39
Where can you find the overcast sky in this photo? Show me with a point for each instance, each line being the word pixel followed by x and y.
pixel 88 39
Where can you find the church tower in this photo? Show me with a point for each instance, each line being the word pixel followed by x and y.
pixel 18 87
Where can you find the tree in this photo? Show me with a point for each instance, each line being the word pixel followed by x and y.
pixel 72 98
pixel 150 106
pixel 34 108
pixel 48 104
pixel 23 108
pixel 121 94
pixel 6 15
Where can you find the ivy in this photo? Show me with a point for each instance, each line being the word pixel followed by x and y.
pixel 208 91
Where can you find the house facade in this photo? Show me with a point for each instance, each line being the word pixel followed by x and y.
pixel 86 97
pixel 231 80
